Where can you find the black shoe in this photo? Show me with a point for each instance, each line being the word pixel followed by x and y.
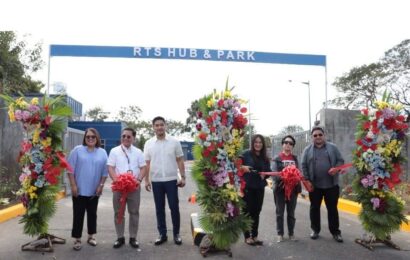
pixel 119 242
pixel 338 238
pixel 314 235
pixel 134 243
pixel 160 240
pixel 177 239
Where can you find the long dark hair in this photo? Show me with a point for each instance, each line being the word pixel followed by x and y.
pixel 263 150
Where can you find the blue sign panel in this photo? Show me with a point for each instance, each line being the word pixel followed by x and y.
pixel 185 54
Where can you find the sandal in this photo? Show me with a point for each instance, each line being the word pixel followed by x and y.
pixel 250 241
pixel 77 245
pixel 92 241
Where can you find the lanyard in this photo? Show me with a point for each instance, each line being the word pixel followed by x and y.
pixel 128 159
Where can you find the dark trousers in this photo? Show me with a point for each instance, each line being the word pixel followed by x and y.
pixel 81 204
pixel 170 190
pixel 331 197
pixel 281 203
pixel 253 205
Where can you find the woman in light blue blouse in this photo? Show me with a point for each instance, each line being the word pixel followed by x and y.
pixel 89 164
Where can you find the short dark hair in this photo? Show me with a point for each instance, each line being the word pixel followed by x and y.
pixel 134 133
pixel 289 136
pixel 158 118
pixel 317 128
pixel 97 136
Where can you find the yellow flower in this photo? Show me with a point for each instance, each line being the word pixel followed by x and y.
pixel 21 103
pixel 11 114
pixel 46 142
pixel 34 101
pixel 36 136
pixel 227 94
pixel 381 104
pixel 210 103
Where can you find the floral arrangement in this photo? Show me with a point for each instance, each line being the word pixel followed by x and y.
pixel 377 158
pixel 125 183
pixel 217 168
pixel 41 158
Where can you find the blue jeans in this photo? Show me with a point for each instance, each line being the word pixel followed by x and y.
pixel 170 189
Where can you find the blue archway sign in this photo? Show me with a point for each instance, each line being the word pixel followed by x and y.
pixel 58 50
pixel 185 54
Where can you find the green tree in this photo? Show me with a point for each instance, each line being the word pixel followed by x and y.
pixel 17 61
pixel 359 87
pixel 396 65
pixel 290 129
pixel 192 118
pixel 97 114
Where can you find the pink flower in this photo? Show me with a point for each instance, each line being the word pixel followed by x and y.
pixel 376 203
pixel 26 115
pixel 18 115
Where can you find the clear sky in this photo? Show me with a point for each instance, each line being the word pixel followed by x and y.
pixel 350 33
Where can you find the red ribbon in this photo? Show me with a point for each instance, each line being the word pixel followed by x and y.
pixel 290 176
pixel 124 184
pixel 342 167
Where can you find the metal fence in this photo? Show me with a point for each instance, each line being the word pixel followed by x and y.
pixel 72 138
pixel 302 140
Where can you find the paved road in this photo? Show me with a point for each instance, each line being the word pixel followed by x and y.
pixel 11 237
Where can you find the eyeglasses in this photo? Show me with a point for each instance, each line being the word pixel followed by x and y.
pixel 288 142
pixel 90 137
pixel 316 135
pixel 126 137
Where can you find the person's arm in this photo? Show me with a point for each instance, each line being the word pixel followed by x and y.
pixel 147 177
pixel 101 186
pixel 181 167
pixel 72 160
pixel 73 184
pixel 111 172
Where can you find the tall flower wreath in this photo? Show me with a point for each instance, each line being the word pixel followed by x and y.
pixel 217 168
pixel 41 158
pixel 377 158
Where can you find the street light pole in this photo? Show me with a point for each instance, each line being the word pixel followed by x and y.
pixel 307 83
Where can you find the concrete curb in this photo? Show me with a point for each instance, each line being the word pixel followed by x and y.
pixel 355 208
pixel 19 210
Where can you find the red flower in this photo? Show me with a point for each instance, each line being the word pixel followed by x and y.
pixel 365 111
pixel 243 110
pixel 198 126
pixel 214 160
pixel 220 103
pixel 63 162
pixel 366 125
pixel 209 120
pixel 199 114
pixel 202 136
pixel 205 153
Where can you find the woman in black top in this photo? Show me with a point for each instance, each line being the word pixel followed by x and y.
pixel 283 159
pixel 255 160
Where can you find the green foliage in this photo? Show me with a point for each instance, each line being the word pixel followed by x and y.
pixel 36 218
pixel 290 129
pixel 97 114
pixel 17 62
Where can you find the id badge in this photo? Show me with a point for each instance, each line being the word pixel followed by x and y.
pixel 129 171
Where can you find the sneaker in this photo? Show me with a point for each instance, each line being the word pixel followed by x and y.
pixel 280 239
pixel 292 238
pixel 77 245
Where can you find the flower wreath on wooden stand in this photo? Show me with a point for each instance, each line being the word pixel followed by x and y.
pixel 216 170
pixel 42 163
pixel 377 159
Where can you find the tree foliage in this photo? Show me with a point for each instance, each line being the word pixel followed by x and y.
pixel 396 64
pixel 362 85
pixel 97 114
pixel 290 129
pixel 17 61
